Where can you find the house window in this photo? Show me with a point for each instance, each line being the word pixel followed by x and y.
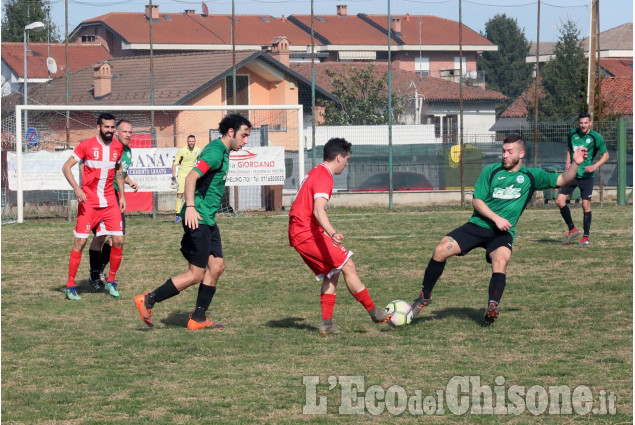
pixel 450 129
pixel 242 92
pixel 88 38
pixel 422 66
pixel 456 64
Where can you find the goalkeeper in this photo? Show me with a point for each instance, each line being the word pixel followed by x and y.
pixel 186 159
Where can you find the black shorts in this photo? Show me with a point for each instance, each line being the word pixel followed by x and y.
pixel 585 185
pixel 197 245
pixel 470 236
pixel 123 219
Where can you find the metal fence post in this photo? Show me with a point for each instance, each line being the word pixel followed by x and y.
pixel 621 163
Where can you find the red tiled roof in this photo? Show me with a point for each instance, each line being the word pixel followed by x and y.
pixel 518 108
pixel 433 89
pixel 344 30
pixel 618 67
pixel 618 94
pixel 181 28
pixel 434 30
pixel 361 29
pixel 80 56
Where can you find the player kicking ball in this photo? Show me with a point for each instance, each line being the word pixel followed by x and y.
pixel 319 244
pixel 201 243
pixel 501 194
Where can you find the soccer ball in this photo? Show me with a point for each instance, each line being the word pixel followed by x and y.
pixel 401 313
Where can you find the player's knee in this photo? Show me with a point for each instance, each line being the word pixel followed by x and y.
pixel 117 241
pixel 561 201
pixel 349 267
pixel 444 250
pixel 217 266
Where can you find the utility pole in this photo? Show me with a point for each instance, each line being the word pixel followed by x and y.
pixel 536 89
pixel 591 75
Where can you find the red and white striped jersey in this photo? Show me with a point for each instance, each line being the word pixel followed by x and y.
pixel 99 170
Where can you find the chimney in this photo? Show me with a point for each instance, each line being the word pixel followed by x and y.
pixel 280 49
pixel 102 83
pixel 342 10
pixel 396 25
pixel 407 17
pixel 283 19
pixel 152 12
pixel 190 12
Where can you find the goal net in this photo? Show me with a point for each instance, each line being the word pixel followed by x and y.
pixel 38 140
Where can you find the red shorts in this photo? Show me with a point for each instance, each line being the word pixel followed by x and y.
pixel 108 219
pixel 322 257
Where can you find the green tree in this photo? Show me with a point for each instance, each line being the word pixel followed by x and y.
pixel 362 98
pixel 506 70
pixel 564 78
pixel 19 13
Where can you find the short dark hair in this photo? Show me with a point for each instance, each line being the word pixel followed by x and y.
pixel 514 138
pixel 105 117
pixel 192 136
pixel 233 121
pixel 584 115
pixel 334 147
pixel 121 122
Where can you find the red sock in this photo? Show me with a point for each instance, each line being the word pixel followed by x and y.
pixel 327 301
pixel 115 261
pixel 364 298
pixel 73 265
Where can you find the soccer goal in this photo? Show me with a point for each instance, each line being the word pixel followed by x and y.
pixel 40 138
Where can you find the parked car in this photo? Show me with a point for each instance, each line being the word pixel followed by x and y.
pixel 400 181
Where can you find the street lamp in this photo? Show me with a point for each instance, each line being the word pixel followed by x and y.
pixel 35 26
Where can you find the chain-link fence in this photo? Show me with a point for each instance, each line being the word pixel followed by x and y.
pixel 427 170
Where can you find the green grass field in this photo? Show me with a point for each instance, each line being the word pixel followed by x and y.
pixel 566 320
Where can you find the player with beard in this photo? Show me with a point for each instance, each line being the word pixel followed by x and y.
pixel 501 194
pixel 96 197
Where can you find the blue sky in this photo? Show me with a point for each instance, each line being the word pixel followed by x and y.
pixel 475 12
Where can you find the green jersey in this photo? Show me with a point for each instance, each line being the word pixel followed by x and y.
pixel 212 166
pixel 508 193
pixel 126 160
pixel 593 142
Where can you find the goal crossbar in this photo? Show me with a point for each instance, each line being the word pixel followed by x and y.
pixel 19 109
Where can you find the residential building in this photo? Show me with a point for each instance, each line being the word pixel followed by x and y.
pixel 428 45
pixel 80 56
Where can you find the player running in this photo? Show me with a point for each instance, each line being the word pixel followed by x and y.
pixel 319 244
pixel 100 248
pixel 201 244
pixel 501 194
pixel 583 136
pixel 185 158
pixel 96 196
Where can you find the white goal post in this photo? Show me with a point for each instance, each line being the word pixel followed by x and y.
pixel 19 133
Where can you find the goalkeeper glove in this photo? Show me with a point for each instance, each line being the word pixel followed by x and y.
pixel 174 185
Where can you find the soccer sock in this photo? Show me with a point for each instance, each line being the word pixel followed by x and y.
pixel 587 223
pixel 115 261
pixel 162 293
pixel 95 263
pixel 565 212
pixel 364 298
pixel 432 274
pixel 73 265
pixel 327 301
pixel 204 299
pixel 496 287
pixel 178 206
pixel 105 256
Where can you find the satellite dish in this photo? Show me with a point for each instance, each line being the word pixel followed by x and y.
pixel 51 65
